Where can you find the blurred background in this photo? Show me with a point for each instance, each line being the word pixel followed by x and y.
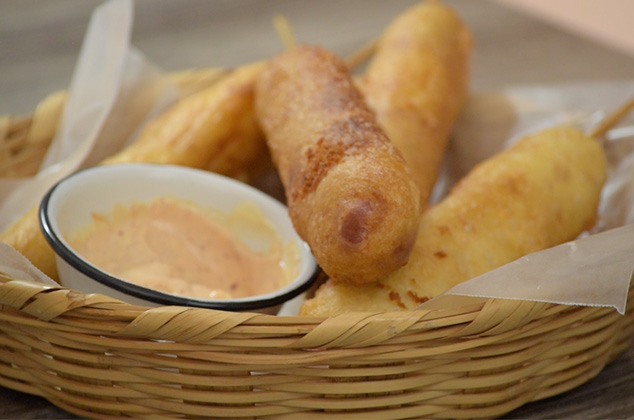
pixel 40 40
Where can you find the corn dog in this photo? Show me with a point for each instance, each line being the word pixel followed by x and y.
pixel 350 194
pixel 541 192
pixel 416 84
pixel 214 129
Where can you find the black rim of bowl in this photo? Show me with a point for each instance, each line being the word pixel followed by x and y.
pixel 149 294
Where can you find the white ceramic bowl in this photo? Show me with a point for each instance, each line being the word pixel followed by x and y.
pixel 69 204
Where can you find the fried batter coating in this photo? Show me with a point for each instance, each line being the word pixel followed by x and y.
pixel 350 194
pixel 542 191
pixel 417 83
pixel 213 129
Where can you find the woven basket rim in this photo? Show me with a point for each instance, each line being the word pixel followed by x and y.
pixel 476 305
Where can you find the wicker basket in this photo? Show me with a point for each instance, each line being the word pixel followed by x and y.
pixel 98 357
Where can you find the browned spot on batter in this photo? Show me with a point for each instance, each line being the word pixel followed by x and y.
pixel 515 184
pixel 318 161
pixel 355 224
pixel 356 132
pixel 443 229
pixel 416 298
pixel 392 294
pixel 402 251
pixel 396 298
pixel 340 95
pixel 440 254
pixel 347 137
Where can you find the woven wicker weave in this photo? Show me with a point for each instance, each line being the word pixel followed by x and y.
pixel 98 357
pixel 101 358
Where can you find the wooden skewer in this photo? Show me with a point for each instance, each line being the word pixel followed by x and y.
pixel 612 119
pixel 362 54
pixel 284 31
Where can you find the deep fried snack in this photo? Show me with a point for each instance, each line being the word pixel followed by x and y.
pixel 417 83
pixel 214 129
pixel 541 192
pixel 350 194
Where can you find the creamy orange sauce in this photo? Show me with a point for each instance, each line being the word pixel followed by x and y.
pixel 179 248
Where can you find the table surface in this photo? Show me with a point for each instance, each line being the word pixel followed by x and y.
pixel 39 43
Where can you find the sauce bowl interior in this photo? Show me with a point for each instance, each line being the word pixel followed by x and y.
pixel 69 204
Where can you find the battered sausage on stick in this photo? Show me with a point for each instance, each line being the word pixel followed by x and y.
pixel 214 129
pixel 350 194
pixel 417 83
pixel 541 192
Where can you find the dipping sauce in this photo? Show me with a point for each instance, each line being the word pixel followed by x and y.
pixel 177 247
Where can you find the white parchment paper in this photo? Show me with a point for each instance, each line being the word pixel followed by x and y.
pixel 115 90
pixel 15 265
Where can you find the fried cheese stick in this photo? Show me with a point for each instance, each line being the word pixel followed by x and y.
pixel 417 83
pixel 214 129
pixel 542 191
pixel 350 194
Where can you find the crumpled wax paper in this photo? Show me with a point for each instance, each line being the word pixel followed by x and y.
pixel 15 265
pixel 115 90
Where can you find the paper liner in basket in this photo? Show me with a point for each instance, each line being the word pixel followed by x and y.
pixel 114 89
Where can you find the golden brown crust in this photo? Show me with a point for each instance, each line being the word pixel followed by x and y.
pixel 417 82
pixel 541 192
pixel 25 236
pixel 213 129
pixel 349 191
